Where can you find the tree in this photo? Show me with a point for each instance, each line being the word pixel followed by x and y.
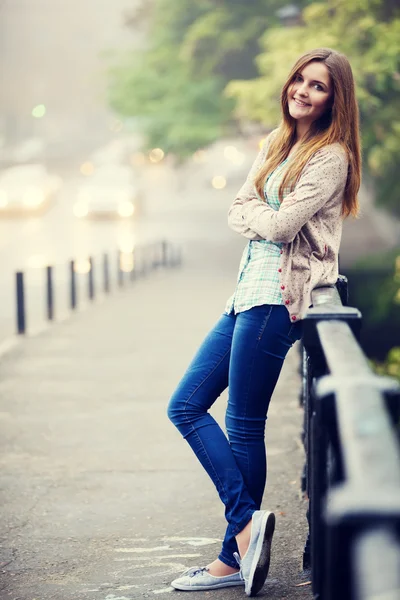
pixel 175 86
pixel 368 32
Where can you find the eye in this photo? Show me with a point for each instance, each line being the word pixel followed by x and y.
pixel 298 77
pixel 319 87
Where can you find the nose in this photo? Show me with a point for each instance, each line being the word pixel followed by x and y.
pixel 302 89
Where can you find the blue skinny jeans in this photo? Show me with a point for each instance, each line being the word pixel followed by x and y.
pixel 245 352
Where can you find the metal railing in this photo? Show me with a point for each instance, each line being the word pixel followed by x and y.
pixel 141 261
pixel 352 443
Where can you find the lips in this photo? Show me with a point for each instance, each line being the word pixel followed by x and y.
pixel 300 103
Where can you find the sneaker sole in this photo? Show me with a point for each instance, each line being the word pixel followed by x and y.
pixel 260 566
pixel 193 588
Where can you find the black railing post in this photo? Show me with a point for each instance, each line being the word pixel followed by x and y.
pixel 21 316
pixel 91 279
pixel 136 261
pixel 49 293
pixel 164 253
pixel 143 260
pixel 73 298
pixel 318 484
pixel 133 270
pixel 106 274
pixel 153 256
pixel 120 273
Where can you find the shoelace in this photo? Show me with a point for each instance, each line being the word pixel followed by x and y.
pixel 199 571
pixel 192 571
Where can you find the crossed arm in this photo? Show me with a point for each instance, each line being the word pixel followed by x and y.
pixel 323 177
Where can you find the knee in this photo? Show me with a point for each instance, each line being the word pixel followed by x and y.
pixel 175 411
pixel 181 412
pixel 245 430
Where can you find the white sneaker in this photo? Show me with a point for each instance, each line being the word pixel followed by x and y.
pixel 254 565
pixel 198 578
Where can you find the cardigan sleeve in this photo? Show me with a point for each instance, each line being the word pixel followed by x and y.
pixel 246 192
pixel 323 177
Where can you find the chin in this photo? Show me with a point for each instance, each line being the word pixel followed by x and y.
pixel 294 115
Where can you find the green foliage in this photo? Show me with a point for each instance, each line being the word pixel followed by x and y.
pixel 174 87
pixel 391 366
pixel 179 122
pixel 368 32
pixel 209 63
pixel 374 288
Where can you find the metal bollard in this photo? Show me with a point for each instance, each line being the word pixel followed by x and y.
pixel 73 299
pixel 133 271
pixel 144 264
pixel 50 293
pixel 106 274
pixel 156 255
pixel 21 317
pixel 164 253
pixel 91 279
pixel 120 273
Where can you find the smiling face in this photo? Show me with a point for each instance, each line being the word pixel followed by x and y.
pixel 309 96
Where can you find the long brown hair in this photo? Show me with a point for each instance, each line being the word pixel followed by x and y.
pixel 339 124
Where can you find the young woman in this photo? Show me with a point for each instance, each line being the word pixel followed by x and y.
pixel 302 185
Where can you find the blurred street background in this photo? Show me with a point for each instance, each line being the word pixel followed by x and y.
pixel 130 121
pixel 118 120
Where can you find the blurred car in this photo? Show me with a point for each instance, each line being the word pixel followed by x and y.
pixel 116 152
pixel 111 192
pixel 27 189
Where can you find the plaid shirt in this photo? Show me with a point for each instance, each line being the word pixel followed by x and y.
pixel 258 280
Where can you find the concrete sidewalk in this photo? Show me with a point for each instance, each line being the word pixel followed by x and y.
pixel 101 498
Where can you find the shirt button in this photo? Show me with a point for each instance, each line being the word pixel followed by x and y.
pixel 294 318
pixel 279 270
pixel 287 301
pixel 282 287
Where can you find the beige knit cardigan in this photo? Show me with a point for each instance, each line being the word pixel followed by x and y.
pixel 309 223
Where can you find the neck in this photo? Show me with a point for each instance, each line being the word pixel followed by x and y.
pixel 301 130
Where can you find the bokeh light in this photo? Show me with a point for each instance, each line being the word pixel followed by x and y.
pixel 3 199
pixel 218 182
pixel 126 262
pixel 87 168
pixel 126 209
pixel 156 155
pixel 82 266
pixel 126 244
pixel 39 111
pixel 230 152
pixel 80 210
